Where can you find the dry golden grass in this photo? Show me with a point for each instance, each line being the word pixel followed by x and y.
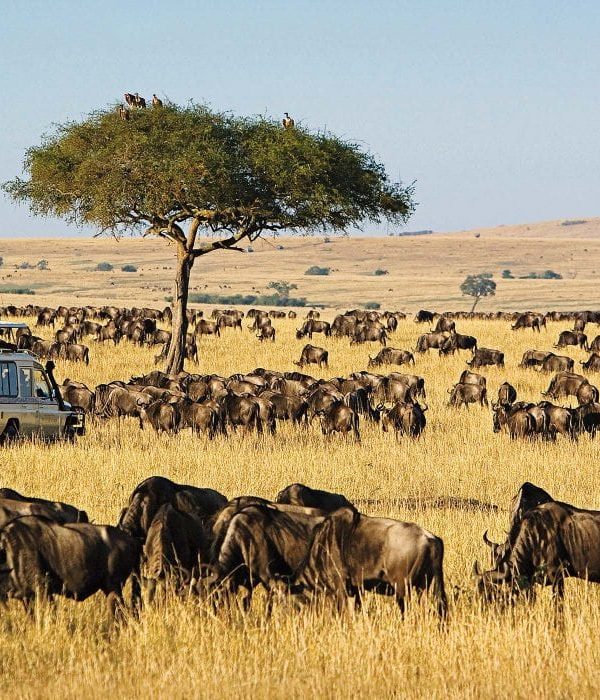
pixel 423 271
pixel 181 649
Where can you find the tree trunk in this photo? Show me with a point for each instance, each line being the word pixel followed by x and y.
pixel 475 304
pixel 176 352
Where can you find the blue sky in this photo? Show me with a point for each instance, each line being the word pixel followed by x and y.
pixel 492 107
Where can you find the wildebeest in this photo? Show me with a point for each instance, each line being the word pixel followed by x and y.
pixel 339 418
pixel 468 377
pixel 75 352
pixel 155 491
pixel 507 394
pixel 313 326
pixel 572 338
pixel 464 394
pixel 351 553
pixel 587 393
pixel 592 364
pixel 301 495
pixel 531 358
pixel 266 333
pixel 174 549
pixel 552 541
pixel 163 416
pixel 587 418
pixel 444 324
pixel 432 340
pixel 74 560
pixel 79 396
pixel 529 320
pixel 485 356
pixel 264 545
pixel 201 418
pixel 404 418
pixel 14 505
pixel 423 316
pixel 518 422
pixel 371 332
pixel 242 411
pixel 311 354
pixel 457 341
pixel 391 356
pixel 557 363
pixel 564 384
pixel 205 327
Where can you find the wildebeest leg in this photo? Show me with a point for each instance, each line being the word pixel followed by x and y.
pixel 115 605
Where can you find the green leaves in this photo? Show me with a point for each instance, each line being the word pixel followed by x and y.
pixel 231 175
pixel 478 286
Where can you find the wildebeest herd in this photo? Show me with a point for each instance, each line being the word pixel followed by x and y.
pixel 309 544
pixel 258 400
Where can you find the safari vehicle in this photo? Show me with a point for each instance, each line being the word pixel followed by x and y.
pixel 30 400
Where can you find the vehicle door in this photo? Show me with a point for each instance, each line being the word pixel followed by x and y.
pixel 12 404
pixel 49 415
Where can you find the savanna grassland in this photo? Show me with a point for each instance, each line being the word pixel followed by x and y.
pixel 457 481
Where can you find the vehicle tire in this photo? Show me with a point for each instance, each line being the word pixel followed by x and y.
pixel 10 433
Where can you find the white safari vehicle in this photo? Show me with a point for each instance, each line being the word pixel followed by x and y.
pixel 30 400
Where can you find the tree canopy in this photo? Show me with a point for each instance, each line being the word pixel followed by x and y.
pixel 203 180
pixel 478 286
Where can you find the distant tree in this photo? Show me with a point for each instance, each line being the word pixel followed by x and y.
pixel 25 265
pixel 282 288
pixel 42 265
pixel 507 275
pixel 128 268
pixel 1 262
pixel 478 286
pixel 316 270
pixel 380 271
pixel 104 267
pixel 179 173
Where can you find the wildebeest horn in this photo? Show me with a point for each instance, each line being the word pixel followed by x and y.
pixel 476 569
pixel 487 540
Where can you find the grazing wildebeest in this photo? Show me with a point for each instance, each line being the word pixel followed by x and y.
pixel 557 363
pixel 262 545
pixel 242 411
pixel 175 547
pixel 197 416
pixel 391 356
pixel 351 553
pixel 559 420
pixel 464 394
pixel 74 560
pixel 457 341
pixel 485 356
pixel 372 332
pixel 531 358
pixel 444 324
pixel 161 415
pixel 311 354
pixel 587 418
pixel 592 364
pixel 301 495
pixel 339 418
pixel 155 491
pixel 529 320
pixel 404 418
pixel 552 541
pixel 74 352
pixel 79 396
pixel 564 384
pixel 572 338
pixel 205 327
pixel 313 326
pixel 507 394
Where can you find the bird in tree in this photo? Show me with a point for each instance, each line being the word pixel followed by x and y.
pixel 123 113
pixel 478 286
pixel 156 101
pixel 288 122
pixel 203 182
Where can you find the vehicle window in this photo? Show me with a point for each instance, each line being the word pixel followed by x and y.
pixel 8 379
pixel 41 387
pixel 25 382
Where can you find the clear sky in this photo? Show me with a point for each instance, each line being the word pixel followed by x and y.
pixel 492 107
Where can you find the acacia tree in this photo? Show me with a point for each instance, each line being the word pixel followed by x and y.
pixel 478 286
pixel 203 181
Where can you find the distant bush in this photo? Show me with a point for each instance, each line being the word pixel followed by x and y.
pixel 573 222
pixel 42 265
pixel 245 300
pixel 379 272
pixel 25 266
pixel 249 249
pixel 1 262
pixel 372 305
pixel 316 270
pixel 546 275
pixel 104 267
pixel 16 290
pixel 507 275
pixel 129 268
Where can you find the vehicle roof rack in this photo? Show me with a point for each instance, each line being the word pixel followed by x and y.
pixel 10 324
